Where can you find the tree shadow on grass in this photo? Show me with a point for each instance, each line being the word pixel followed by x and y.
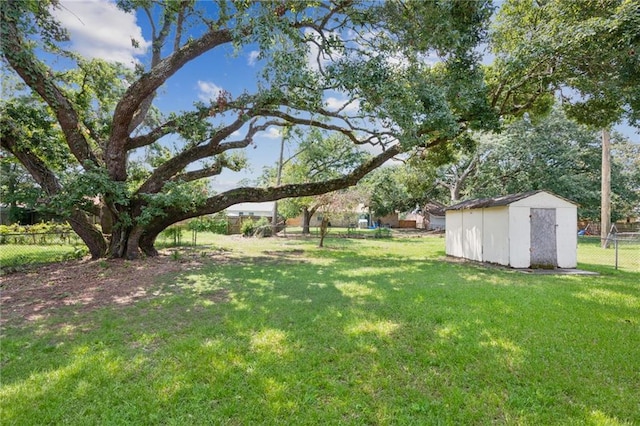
pixel 329 337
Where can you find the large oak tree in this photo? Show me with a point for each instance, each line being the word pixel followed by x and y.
pixel 372 53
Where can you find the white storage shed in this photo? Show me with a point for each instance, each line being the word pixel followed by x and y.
pixel 534 229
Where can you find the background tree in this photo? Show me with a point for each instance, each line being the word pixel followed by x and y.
pixel 555 154
pixel 385 191
pixel 552 153
pixel 318 157
pixel 584 51
pixel 337 205
pixel 371 53
pixel 588 51
pixel 18 192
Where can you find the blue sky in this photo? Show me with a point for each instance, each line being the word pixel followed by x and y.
pixel 99 29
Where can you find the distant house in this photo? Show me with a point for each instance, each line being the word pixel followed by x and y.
pixel 240 213
pixel 434 216
pixel 359 216
pixel 431 216
pixel 531 229
pixel 251 209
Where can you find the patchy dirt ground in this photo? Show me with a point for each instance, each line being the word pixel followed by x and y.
pixel 85 285
pixel 82 285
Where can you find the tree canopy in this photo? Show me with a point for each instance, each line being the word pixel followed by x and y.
pixel 316 157
pixel 372 54
pixel 551 153
pixel 588 51
pixel 97 140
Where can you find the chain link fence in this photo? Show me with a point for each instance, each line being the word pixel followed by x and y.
pixel 620 251
pixel 18 250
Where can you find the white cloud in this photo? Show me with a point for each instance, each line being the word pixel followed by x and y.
pixel 208 91
pixel 273 133
pixel 98 29
pixel 253 57
pixel 334 104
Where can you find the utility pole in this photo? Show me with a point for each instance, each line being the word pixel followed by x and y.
pixel 605 201
pixel 274 219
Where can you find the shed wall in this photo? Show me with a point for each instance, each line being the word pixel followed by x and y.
pixel 503 234
pixel 543 200
pixel 519 236
pixel 495 242
pixel 472 234
pixel 567 237
pixel 453 237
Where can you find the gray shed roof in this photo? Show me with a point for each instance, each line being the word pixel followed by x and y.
pixel 503 200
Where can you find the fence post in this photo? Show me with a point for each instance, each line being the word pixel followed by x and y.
pixel 615 244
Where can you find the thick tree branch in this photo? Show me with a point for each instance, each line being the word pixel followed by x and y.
pixel 156 56
pixel 151 137
pixel 167 128
pixel 192 175
pixel 144 87
pixel 221 201
pixel 45 177
pixel 178 163
pixel 42 174
pixel 349 131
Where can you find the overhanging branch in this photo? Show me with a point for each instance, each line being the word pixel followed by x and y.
pixel 176 164
pixel 223 200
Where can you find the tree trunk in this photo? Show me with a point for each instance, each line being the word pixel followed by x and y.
pixel 133 243
pixel 306 217
pixel 324 226
pixel 106 219
pixel 147 244
pixel 454 192
pixel 89 234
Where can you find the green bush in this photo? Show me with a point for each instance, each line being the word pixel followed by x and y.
pixel 40 233
pixel 216 224
pixel 260 228
pixel 247 228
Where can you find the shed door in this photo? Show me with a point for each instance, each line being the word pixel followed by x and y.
pixel 544 253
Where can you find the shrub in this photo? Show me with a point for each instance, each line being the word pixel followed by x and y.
pixel 216 224
pixel 262 228
pixel 247 228
pixel 41 233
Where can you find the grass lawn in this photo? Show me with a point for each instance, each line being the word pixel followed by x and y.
pixel 591 253
pixel 16 256
pixel 376 331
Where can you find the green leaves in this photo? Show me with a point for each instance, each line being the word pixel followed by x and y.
pixel 369 57
pixel 184 197
pixel 84 188
pixel 31 123
pixel 586 48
